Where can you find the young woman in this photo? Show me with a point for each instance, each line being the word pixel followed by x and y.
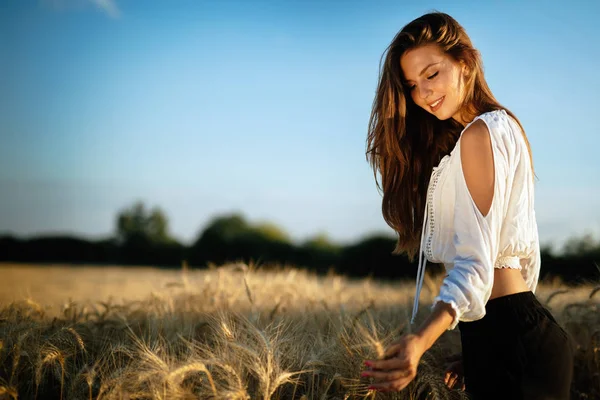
pixel 443 144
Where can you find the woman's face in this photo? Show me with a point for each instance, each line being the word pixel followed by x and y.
pixel 434 80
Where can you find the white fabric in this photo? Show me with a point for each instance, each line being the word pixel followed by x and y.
pixel 469 244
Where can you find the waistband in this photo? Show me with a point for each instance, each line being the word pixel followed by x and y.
pixel 511 312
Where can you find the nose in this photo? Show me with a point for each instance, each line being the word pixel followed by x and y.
pixel 424 91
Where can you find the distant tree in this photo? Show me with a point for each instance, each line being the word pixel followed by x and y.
pixel 548 250
pixel 215 241
pixel 224 228
pixel 231 238
pixel 321 242
pixel 319 253
pixel 581 246
pixel 271 232
pixel 140 225
pixel 373 256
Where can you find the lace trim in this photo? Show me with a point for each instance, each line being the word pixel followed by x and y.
pixel 512 262
pixel 431 216
pixel 507 267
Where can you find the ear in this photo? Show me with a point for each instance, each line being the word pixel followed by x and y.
pixel 464 69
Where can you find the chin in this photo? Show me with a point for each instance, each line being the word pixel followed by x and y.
pixel 442 116
pixel 445 114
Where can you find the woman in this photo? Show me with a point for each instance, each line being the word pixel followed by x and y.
pixel 442 143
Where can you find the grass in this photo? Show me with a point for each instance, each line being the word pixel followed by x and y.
pixel 231 332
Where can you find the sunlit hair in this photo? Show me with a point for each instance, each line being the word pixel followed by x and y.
pixel 404 141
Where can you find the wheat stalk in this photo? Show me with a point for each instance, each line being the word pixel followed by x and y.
pixel 177 376
pixel 50 354
pixel 248 292
pixel 556 293
pixel 8 391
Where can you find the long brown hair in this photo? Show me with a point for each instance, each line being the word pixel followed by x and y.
pixel 404 141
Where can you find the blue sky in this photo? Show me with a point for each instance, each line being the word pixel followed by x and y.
pixel 210 107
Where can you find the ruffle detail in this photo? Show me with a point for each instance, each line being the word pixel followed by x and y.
pixel 454 306
pixel 511 262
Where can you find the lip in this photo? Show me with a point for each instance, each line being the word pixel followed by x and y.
pixel 434 109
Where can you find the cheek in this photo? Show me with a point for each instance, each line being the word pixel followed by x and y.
pixel 457 85
pixel 447 84
pixel 416 99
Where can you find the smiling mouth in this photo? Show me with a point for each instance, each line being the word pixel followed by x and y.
pixel 436 104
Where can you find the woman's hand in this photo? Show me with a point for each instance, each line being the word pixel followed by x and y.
pixel 454 375
pixel 399 366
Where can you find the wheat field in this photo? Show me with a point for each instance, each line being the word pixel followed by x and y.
pixel 234 331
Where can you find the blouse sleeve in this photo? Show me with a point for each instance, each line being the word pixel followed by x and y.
pixel 535 262
pixel 468 285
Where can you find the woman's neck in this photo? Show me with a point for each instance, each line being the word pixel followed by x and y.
pixel 464 116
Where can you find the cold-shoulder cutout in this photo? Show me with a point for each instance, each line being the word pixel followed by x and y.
pixel 477 162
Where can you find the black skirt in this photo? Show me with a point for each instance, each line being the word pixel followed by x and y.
pixel 516 351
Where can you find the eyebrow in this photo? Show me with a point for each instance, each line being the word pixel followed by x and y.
pixel 425 69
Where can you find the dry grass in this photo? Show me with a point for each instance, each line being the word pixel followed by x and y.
pixel 233 332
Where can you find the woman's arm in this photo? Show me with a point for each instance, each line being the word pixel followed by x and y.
pixel 401 359
pixel 436 323
pixel 478 169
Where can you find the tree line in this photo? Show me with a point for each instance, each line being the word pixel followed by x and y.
pixel 142 238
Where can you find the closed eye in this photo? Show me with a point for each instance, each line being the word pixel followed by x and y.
pixel 429 77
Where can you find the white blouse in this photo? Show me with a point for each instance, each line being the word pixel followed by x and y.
pixel 469 244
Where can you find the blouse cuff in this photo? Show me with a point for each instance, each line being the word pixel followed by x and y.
pixel 446 299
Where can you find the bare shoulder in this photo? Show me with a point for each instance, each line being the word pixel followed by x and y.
pixel 476 136
pixel 477 162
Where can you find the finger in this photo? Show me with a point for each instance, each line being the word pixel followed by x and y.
pixel 382 373
pixel 392 350
pixel 449 372
pixel 452 381
pixel 450 378
pixel 392 363
pixel 381 376
pixel 391 386
pixel 448 383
